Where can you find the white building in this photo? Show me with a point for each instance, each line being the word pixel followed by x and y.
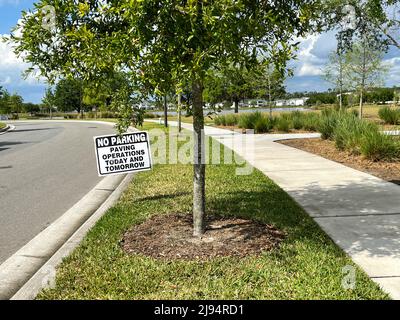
pixel 296 102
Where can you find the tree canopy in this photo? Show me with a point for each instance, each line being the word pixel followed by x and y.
pixel 162 42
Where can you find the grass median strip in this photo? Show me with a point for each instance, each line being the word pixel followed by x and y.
pixel 2 125
pixel 307 264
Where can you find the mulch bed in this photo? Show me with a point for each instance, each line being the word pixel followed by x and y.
pixel 389 171
pixel 170 237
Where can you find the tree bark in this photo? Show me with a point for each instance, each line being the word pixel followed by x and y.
pixel 364 72
pixel 340 83
pixel 269 96
pixel 179 112
pixel 236 102
pixel 199 196
pixel 165 111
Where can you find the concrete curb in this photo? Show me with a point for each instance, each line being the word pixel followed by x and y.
pixel 22 274
pixel 6 129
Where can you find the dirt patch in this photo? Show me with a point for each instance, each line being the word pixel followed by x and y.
pixel 389 171
pixel 169 237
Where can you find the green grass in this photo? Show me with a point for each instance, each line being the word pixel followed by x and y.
pixel 308 264
pixel 2 125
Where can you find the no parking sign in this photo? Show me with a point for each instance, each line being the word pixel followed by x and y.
pixel 120 154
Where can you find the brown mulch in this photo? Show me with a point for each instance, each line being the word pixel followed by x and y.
pixel 170 237
pixel 389 171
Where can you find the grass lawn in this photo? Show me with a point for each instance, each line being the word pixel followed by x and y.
pixel 308 264
pixel 2 125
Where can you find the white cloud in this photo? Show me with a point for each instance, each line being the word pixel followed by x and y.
pixel 11 69
pixel 394 71
pixel 308 63
pixel 307 69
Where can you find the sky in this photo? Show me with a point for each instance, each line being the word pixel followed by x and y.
pixel 311 57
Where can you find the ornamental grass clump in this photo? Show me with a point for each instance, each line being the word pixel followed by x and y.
pixel 389 115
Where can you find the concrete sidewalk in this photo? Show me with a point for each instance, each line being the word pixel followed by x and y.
pixel 360 212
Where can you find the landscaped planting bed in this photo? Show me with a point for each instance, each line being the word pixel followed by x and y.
pixel 386 170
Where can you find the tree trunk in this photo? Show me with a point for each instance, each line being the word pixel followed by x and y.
pixel 361 104
pixel 180 112
pixel 269 96
pixel 165 111
pixel 199 195
pixel 236 102
pixel 340 83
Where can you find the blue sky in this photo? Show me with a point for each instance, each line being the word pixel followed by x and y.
pixel 312 56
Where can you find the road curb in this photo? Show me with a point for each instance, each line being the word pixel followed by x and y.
pixel 6 129
pixel 22 275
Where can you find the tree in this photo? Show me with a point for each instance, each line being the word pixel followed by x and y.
pixel 16 103
pixel 68 95
pixel 184 39
pixel 49 100
pixel 268 82
pixel 99 95
pixel 335 71
pixel 364 68
pixel 5 107
pixel 378 17
pixel 227 83
pixel 30 107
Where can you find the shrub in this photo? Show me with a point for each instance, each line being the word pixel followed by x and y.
pixel 107 115
pixel 231 120
pixel 149 115
pixel 218 120
pixel 283 124
pixel 264 125
pixel 91 115
pixel 377 146
pixel 311 121
pixel 297 120
pixel 71 116
pixel 389 115
pixel 226 120
pixel 350 132
pixel 328 124
pixel 248 120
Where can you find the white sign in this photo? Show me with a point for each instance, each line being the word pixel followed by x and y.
pixel 119 154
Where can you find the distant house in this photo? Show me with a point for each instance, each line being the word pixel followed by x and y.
pixel 146 106
pixel 295 102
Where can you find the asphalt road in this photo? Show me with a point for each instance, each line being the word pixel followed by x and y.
pixel 45 168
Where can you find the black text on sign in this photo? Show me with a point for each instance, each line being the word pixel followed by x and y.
pixel 119 154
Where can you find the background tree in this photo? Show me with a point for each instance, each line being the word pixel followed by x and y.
pixel 228 83
pixel 364 69
pixel 16 103
pixel 335 71
pixel 30 107
pixel 68 95
pixel 49 101
pixel 268 83
pixel 5 107
pixel 189 38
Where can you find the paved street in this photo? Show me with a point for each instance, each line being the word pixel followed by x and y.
pixel 45 168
